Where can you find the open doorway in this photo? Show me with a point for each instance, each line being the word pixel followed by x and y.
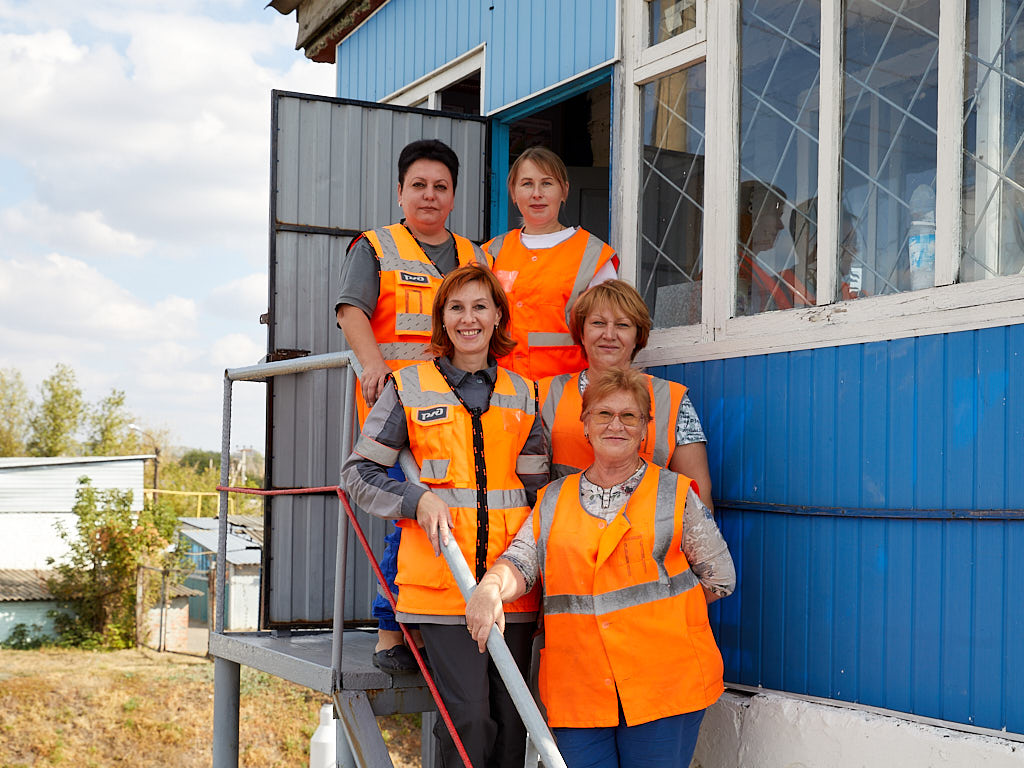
pixel 578 129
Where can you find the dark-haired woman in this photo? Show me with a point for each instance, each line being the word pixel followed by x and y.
pixel 388 280
pixel 474 430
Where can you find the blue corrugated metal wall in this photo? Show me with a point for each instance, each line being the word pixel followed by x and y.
pixel 531 44
pixel 879 578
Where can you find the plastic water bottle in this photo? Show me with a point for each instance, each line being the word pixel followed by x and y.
pixel 921 242
pixel 322 747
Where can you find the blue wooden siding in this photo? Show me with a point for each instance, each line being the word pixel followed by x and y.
pixel 531 44
pixel 873 499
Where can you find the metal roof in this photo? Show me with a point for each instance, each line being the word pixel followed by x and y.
pixel 47 461
pixel 241 551
pixel 23 585
pixel 242 525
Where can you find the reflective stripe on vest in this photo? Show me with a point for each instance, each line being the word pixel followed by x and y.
pixel 627 597
pixel 561 403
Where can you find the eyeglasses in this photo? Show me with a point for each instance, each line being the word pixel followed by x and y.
pixel 626 418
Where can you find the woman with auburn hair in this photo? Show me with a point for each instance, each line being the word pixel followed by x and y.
pixel 544 266
pixel 474 430
pixel 612 324
pixel 628 558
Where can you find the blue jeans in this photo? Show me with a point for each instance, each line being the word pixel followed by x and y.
pixel 669 741
pixel 381 609
pixel 389 566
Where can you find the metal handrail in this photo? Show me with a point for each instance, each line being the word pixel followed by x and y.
pixel 261 372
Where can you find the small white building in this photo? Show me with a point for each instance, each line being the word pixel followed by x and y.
pixel 36 494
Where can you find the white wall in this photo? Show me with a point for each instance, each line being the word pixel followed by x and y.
pixel 27 612
pixel 770 730
pixel 28 538
pixel 243 608
pixel 49 484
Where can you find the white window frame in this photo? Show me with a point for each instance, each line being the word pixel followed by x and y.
pixel 947 307
pixel 426 91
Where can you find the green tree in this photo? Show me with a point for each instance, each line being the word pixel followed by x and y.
pixel 200 460
pixel 96 580
pixel 57 418
pixel 109 432
pixel 15 408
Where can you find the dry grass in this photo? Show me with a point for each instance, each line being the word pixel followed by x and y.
pixel 142 708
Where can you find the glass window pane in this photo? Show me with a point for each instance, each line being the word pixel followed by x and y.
pixel 672 196
pixel 668 18
pixel 780 52
pixel 890 72
pixel 993 198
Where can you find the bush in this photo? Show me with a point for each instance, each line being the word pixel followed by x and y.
pixel 26 638
pixel 97 581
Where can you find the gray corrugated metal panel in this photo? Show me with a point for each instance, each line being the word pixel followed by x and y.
pixel 325 178
pixel 21 585
pixel 241 551
pixel 49 485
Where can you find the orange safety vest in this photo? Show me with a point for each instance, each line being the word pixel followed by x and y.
pixel 542 286
pixel 561 404
pixel 623 612
pixel 408 282
pixel 454 449
pixel 783 292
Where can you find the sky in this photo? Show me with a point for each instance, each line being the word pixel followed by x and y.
pixel 134 199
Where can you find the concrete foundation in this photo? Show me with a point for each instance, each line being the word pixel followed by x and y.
pixel 771 730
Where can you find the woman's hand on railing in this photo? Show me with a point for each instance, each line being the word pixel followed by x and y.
pixel 435 519
pixel 484 609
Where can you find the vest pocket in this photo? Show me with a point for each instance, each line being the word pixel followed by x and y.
pixel 417 564
pixel 435 439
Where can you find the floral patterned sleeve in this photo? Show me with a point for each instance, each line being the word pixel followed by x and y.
pixel 705 548
pixel 522 553
pixel 688 428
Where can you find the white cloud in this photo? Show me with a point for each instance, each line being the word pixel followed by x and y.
pixel 134 249
pixel 245 297
pixel 61 295
pixel 86 232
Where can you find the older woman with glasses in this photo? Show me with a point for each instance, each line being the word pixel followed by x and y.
pixel 628 557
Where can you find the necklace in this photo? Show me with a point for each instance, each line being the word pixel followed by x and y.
pixel 600 483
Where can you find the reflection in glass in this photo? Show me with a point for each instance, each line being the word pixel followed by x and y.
pixel 993 198
pixel 672 196
pixel 889 143
pixel 668 18
pixel 780 55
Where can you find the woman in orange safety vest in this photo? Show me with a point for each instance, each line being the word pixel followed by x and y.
pixel 544 267
pixel 612 324
pixel 388 280
pixel 628 557
pixel 474 430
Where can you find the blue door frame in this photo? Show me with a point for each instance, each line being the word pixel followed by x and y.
pixel 500 123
